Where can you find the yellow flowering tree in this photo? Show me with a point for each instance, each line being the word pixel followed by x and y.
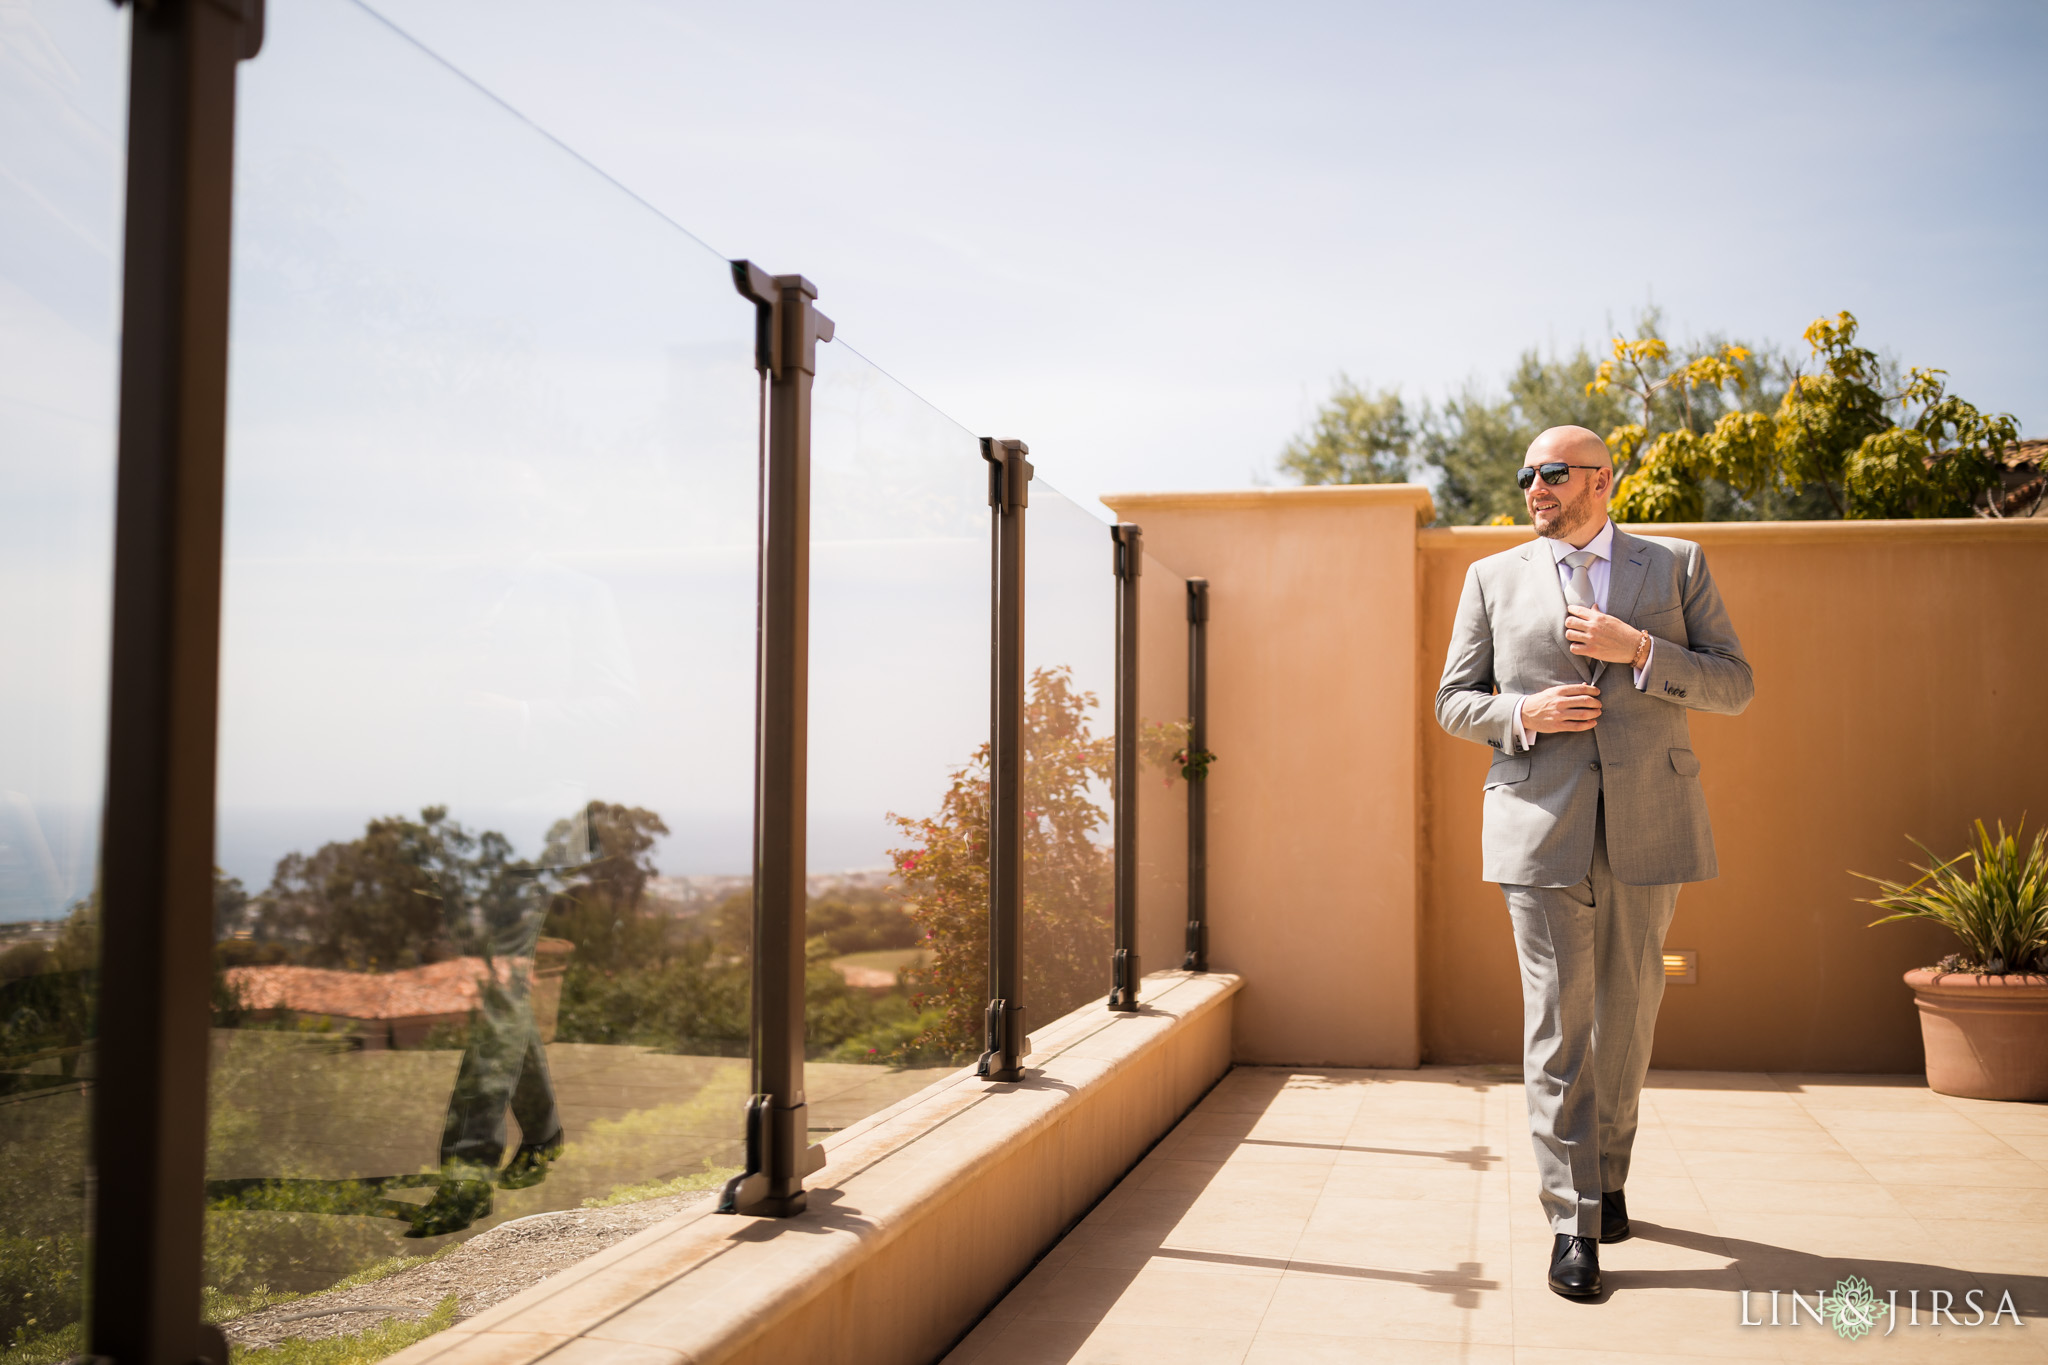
pixel 1871 449
pixel 1660 475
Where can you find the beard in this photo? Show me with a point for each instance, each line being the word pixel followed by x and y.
pixel 1570 517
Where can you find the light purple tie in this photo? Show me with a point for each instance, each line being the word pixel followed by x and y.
pixel 1580 593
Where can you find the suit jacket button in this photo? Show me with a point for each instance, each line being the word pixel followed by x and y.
pixel 1594 766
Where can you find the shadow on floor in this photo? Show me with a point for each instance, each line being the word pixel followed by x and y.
pixel 1762 1267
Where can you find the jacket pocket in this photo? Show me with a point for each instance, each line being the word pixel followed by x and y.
pixel 1685 762
pixel 1508 770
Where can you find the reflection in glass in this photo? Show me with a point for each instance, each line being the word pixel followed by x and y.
pixel 898 736
pixel 1069 757
pixel 1164 770
pixel 487 689
pixel 63 106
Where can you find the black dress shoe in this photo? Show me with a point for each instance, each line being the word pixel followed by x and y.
pixel 1575 1267
pixel 1614 1217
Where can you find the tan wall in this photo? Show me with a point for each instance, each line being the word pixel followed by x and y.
pixel 1899 685
pixel 1900 673
pixel 1312 802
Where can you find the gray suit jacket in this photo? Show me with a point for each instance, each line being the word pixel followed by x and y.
pixel 1541 803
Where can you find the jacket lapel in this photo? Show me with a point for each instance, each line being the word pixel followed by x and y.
pixel 1626 573
pixel 1542 569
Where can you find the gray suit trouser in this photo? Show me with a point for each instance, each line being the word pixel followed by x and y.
pixel 1592 960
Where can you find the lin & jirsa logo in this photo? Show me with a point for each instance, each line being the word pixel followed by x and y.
pixel 1855 1310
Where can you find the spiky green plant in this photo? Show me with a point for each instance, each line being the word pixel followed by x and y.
pixel 1998 906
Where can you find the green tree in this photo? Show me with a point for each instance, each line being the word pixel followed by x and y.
pixel 230 904
pixel 1475 441
pixel 1935 460
pixel 1845 438
pixel 854 920
pixel 1354 437
pixel 1470 445
pixel 49 994
pixel 1678 395
pixel 1700 406
pixel 693 1001
pixel 603 911
pixel 407 892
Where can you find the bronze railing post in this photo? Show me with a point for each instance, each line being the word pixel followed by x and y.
pixel 779 1154
pixel 1127 563
pixel 1009 493
pixel 156 852
pixel 1197 958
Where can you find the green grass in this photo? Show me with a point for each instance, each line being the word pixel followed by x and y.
pixel 54 1348
pixel 356 1348
pixel 885 959
pixel 710 1178
pixel 30 1347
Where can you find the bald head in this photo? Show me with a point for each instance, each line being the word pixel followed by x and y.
pixel 1575 509
pixel 1573 445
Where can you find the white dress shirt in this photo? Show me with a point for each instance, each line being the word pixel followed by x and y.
pixel 1600 571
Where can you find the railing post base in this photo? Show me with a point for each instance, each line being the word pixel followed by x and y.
pixel 1007 1043
pixel 1123 990
pixel 778 1158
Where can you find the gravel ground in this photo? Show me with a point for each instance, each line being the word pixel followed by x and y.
pixel 489 1267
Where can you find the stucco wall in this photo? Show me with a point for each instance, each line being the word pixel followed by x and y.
pixel 1312 801
pixel 1900 674
pixel 1901 669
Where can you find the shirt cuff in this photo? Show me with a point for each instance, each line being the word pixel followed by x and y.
pixel 1643 673
pixel 1522 734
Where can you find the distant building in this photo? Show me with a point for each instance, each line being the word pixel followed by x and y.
pixel 401 1009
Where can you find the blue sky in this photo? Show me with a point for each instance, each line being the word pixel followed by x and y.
pixel 1144 237
pixel 478 397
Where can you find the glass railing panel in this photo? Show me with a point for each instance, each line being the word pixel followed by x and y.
pixel 1164 769
pixel 63 112
pixel 487 686
pixel 898 742
pixel 1069 756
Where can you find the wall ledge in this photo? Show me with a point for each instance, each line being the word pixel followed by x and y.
pixel 1332 495
pixel 923 1217
pixel 1974 529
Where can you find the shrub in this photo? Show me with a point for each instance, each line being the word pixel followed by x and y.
pixel 1067 875
pixel 1998 906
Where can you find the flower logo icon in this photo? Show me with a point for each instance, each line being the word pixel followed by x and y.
pixel 1854 1308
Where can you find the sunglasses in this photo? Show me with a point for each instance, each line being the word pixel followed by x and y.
pixel 1554 473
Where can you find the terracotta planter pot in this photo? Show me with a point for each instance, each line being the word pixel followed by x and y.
pixel 1986 1036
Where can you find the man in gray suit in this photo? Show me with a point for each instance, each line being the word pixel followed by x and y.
pixel 1575 657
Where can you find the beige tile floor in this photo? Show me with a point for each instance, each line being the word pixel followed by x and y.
pixel 1306 1216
